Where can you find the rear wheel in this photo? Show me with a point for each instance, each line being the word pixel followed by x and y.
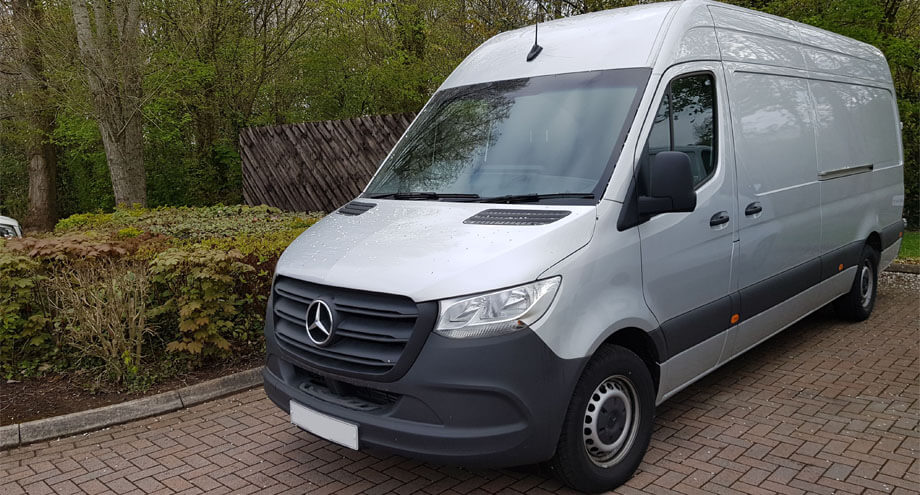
pixel 857 304
pixel 608 424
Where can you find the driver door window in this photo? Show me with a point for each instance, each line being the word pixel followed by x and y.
pixel 685 122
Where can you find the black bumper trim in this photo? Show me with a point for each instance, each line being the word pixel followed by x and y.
pixel 493 402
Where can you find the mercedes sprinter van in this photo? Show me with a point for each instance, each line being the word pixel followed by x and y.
pixel 566 237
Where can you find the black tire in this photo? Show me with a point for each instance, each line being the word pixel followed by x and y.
pixel 623 374
pixel 857 304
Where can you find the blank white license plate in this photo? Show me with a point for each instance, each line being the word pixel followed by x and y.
pixel 319 424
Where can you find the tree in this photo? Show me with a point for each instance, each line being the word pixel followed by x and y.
pixel 42 213
pixel 35 111
pixel 109 44
pixel 216 61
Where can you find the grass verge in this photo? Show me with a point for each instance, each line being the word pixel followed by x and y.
pixel 910 247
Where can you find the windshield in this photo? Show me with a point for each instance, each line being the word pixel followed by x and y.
pixel 543 135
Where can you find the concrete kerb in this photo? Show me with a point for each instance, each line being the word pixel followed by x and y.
pixel 904 268
pixel 94 419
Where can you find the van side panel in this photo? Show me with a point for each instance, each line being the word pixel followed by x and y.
pixel 776 166
pixel 858 161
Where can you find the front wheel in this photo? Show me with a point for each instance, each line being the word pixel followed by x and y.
pixel 608 424
pixel 857 304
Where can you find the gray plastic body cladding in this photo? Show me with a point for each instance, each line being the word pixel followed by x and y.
pixel 692 339
pixel 890 234
pixel 496 401
pixel 891 243
pixel 699 325
pixel 683 369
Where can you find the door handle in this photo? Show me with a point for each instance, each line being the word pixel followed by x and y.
pixel 719 219
pixel 753 209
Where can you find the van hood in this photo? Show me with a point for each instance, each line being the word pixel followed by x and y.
pixel 424 250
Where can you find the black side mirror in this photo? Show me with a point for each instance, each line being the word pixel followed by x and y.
pixel 669 185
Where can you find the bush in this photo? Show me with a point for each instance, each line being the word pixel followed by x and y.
pixel 259 248
pixel 70 247
pixel 199 289
pixel 101 312
pixel 25 342
pixel 128 233
pixel 127 293
pixel 192 224
pixel 82 221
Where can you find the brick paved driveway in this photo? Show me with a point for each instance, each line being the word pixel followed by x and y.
pixel 825 407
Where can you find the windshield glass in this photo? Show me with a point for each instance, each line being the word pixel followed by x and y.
pixel 541 135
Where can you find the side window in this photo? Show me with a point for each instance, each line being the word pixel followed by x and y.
pixel 685 122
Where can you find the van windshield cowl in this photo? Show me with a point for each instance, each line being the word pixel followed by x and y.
pixel 552 138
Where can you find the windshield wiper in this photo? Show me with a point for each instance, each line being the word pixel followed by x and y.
pixel 533 198
pixel 424 195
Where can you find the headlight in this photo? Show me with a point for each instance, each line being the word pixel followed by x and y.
pixel 496 313
pixel 7 232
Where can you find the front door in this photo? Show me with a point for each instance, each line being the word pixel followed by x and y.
pixel 687 257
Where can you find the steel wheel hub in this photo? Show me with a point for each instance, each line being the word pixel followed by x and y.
pixel 865 284
pixel 611 420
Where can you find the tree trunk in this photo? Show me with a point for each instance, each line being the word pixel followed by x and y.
pixel 42 213
pixel 42 155
pixel 124 155
pixel 110 50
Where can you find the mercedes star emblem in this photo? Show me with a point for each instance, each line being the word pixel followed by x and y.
pixel 319 323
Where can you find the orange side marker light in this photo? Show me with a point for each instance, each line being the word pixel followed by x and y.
pixel 735 318
pixel 840 267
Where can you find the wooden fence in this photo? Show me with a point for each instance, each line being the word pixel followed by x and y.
pixel 316 166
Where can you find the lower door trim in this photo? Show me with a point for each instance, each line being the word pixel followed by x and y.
pixel 678 372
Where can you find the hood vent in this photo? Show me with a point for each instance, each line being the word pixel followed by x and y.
pixel 356 208
pixel 516 217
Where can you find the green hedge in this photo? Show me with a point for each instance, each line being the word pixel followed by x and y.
pixel 138 291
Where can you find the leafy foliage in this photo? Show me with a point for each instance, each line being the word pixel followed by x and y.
pixel 139 290
pixel 24 336
pixel 201 288
pixel 211 68
pixel 190 224
pixel 69 247
pixel 83 221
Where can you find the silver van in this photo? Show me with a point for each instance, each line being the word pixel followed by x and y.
pixel 573 230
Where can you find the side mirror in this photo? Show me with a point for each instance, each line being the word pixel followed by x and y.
pixel 669 185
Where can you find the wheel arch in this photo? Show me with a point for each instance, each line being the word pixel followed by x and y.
pixel 643 345
pixel 875 240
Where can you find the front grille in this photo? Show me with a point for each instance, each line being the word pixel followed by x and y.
pixel 376 336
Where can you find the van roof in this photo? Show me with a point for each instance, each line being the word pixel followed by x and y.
pixel 662 34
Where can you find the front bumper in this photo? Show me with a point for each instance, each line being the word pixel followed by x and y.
pixel 494 402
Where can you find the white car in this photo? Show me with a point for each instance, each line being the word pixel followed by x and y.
pixel 9 228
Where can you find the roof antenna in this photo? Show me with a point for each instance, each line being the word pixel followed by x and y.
pixel 536 48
